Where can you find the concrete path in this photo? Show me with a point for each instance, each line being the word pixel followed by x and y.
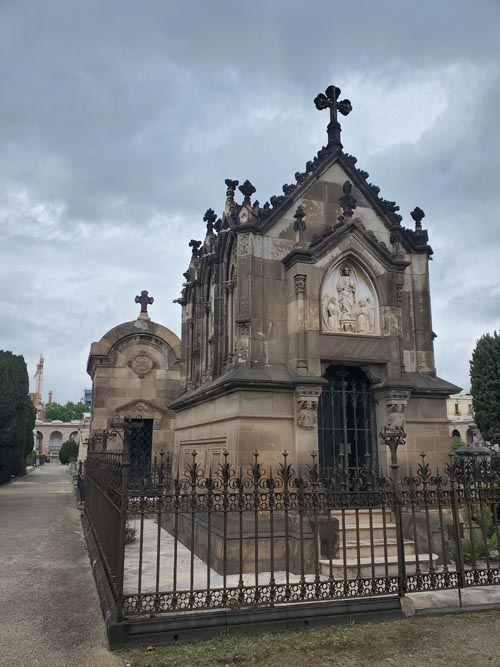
pixel 49 608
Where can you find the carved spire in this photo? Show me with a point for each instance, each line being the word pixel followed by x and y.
pixel 330 100
pixel 247 190
pixel 210 219
pixel 418 215
pixel 231 187
pixel 299 225
pixel 195 246
pixel 347 201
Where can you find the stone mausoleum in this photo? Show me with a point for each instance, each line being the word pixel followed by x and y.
pixel 306 323
pixel 135 373
pixel 306 327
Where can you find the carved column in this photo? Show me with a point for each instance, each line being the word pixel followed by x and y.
pixel 399 302
pixel 243 304
pixel 300 290
pixel 244 277
pixel 205 335
pixel 229 322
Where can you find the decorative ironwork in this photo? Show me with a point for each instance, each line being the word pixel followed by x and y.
pixel 227 536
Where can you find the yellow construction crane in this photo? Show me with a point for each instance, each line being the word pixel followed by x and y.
pixel 37 397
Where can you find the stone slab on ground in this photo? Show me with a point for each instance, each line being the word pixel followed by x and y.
pixel 49 608
pixel 464 598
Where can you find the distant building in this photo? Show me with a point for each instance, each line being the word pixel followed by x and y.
pixel 461 418
pixel 50 435
pixel 87 397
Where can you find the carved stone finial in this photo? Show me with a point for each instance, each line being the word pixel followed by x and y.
pixel 247 190
pixel 418 215
pixel 330 100
pixel 210 219
pixel 299 225
pixel 347 201
pixel 195 246
pixel 144 300
pixel 231 187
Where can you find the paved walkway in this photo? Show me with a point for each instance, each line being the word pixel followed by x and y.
pixel 49 608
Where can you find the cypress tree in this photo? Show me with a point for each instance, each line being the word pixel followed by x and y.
pixel 485 383
pixel 17 415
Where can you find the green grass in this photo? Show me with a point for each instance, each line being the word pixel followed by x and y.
pixel 464 639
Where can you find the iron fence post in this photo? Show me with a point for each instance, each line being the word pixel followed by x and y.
pixel 455 509
pixel 393 439
pixel 123 525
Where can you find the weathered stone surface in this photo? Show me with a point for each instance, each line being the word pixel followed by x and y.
pixel 135 372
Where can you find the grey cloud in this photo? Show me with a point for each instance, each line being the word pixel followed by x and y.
pixel 120 122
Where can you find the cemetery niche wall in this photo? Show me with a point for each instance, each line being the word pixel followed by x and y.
pixel 306 323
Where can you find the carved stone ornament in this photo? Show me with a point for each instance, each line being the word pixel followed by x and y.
pixel 395 406
pixel 300 284
pixel 243 342
pixel 307 415
pixel 307 406
pixel 349 302
pixel 142 364
pixel 243 245
pixel 244 305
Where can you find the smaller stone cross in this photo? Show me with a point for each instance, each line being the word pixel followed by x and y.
pixel 144 300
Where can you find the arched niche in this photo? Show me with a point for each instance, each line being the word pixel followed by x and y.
pixel 55 441
pixel 349 303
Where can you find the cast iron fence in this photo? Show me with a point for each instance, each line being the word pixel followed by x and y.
pixel 257 536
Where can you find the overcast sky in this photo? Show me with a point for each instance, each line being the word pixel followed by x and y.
pixel 120 120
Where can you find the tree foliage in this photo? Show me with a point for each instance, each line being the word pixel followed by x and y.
pixel 68 451
pixel 65 413
pixel 17 415
pixel 485 383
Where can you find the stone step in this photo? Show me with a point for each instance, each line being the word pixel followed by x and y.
pixel 363 517
pixel 365 532
pixel 377 567
pixel 365 548
pixel 362 511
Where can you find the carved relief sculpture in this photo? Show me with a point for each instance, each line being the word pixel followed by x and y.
pixel 353 309
pixel 142 364
pixel 307 416
pixel 395 417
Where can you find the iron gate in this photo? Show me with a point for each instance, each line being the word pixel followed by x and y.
pixel 346 419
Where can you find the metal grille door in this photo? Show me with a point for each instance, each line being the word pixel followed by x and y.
pixel 140 446
pixel 346 419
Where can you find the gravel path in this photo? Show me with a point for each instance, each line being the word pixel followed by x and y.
pixel 49 608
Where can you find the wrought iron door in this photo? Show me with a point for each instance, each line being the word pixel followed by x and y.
pixel 346 419
pixel 140 446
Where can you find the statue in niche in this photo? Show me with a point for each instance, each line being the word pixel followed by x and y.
pixel 330 313
pixel 364 323
pixel 346 287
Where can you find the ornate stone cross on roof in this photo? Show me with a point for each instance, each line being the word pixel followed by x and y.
pixel 144 300
pixel 330 100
